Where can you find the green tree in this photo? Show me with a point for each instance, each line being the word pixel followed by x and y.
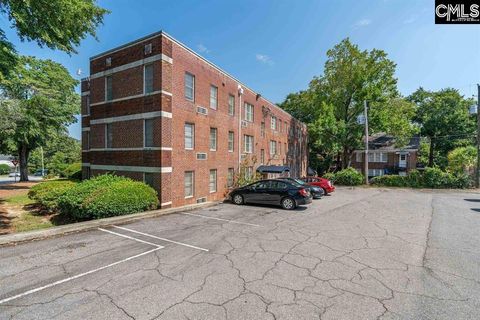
pixel 462 160
pixel 56 24
pixel 38 102
pixel 59 152
pixel 443 117
pixel 333 101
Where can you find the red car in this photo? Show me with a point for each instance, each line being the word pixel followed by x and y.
pixel 323 183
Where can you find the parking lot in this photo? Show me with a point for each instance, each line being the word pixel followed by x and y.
pixel 359 254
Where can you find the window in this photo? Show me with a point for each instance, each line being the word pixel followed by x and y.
pixel 189 184
pixel 273 147
pixel 87 104
pixel 231 139
pixel 213 139
pixel 231 105
pixel 248 112
pixel 230 175
pixel 278 185
pixel 148 179
pixel 108 135
pixel 262 156
pixel 213 97
pixel 285 148
pixel 213 181
pixel 148 48
pixel 189 86
pixel 189 136
pixel 148 133
pixel 262 129
pixel 375 172
pixel 273 123
pixel 108 88
pixel 248 172
pixel 377 157
pixel 108 61
pixel 87 140
pixel 279 147
pixel 279 125
pixel 248 143
pixel 148 78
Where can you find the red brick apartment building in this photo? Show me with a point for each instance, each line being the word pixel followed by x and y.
pixel 156 111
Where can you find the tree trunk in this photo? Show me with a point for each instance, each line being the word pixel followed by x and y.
pixel 430 154
pixel 23 154
pixel 338 161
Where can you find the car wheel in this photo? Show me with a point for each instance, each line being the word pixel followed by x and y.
pixel 238 199
pixel 288 203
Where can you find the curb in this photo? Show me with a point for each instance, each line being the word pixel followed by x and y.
pixel 16 238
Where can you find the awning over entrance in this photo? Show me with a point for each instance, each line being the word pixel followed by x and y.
pixel 273 169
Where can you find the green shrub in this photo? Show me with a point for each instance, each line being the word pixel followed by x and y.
pixel 4 169
pixel 106 196
pixel 391 181
pixel 348 177
pixel 46 194
pixel 330 176
pixel 73 171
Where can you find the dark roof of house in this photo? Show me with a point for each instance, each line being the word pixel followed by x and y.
pixel 5 157
pixel 382 141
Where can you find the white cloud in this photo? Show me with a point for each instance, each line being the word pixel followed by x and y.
pixel 363 23
pixel 202 49
pixel 263 58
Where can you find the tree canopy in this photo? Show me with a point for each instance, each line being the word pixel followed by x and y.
pixel 333 101
pixel 443 117
pixel 37 102
pixel 56 24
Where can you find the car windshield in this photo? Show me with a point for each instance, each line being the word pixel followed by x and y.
pixel 294 182
pixel 300 182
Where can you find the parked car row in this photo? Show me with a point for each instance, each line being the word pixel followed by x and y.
pixel 289 193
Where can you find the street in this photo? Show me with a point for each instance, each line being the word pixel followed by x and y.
pixel 363 253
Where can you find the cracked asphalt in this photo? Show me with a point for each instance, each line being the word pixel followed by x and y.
pixel 361 253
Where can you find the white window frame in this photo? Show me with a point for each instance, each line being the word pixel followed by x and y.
pixel 262 156
pixel 249 113
pixel 231 141
pixel 187 124
pixel 87 104
pixel 145 133
pixel 273 147
pixel 145 78
pixel 231 105
pixel 107 135
pixel 247 141
pixel 192 184
pixel 213 143
pixel 185 86
pixel 213 97
pixel 358 156
pixel 378 157
pixel 230 177
pixel 212 185
pixel 273 123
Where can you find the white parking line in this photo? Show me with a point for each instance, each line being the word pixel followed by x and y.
pixel 131 238
pixel 220 219
pixel 159 238
pixel 77 276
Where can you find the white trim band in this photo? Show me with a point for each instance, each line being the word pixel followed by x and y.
pixel 136 116
pixel 126 149
pixel 165 203
pixel 133 64
pixel 133 97
pixel 85 129
pixel 85 93
pixel 166 148
pixel 131 168
pixel 85 164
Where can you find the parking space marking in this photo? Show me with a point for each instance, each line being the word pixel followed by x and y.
pixel 220 219
pixel 163 239
pixel 56 283
pixel 131 238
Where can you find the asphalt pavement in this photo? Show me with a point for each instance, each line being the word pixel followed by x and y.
pixel 361 253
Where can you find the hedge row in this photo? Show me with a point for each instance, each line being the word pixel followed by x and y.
pixel 430 178
pixel 346 177
pixel 103 196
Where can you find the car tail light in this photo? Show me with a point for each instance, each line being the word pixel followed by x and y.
pixel 303 192
pixel 329 183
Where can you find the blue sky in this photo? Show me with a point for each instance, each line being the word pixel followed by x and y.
pixel 277 46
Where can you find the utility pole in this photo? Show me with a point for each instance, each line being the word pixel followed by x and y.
pixel 365 105
pixel 477 173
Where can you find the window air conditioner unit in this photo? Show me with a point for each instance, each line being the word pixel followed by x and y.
pixel 201 156
pixel 244 123
pixel 202 110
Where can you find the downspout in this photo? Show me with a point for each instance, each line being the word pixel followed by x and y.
pixel 240 93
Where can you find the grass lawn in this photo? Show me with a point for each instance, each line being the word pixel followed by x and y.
pixel 28 217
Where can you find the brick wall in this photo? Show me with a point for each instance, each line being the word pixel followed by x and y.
pixel 170 159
